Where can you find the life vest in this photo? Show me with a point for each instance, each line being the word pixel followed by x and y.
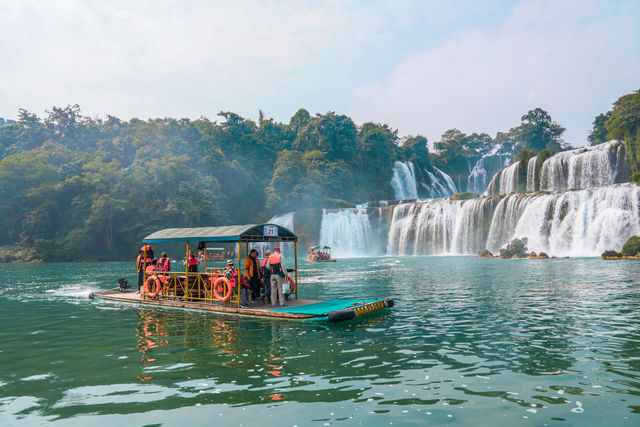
pixel 150 269
pixel 263 266
pixel 275 264
pixel 149 253
pixel 165 264
pixel 193 261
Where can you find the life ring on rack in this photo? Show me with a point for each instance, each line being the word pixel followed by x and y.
pixel 292 284
pixel 218 289
pixel 156 289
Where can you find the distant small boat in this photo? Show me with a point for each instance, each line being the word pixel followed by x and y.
pixel 319 254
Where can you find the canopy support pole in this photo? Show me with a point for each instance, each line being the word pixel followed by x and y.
pixel 187 294
pixel 295 255
pixel 238 282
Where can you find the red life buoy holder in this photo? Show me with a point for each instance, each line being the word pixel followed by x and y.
pixel 218 289
pixel 157 287
pixel 292 284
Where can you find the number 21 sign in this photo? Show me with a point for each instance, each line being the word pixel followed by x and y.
pixel 270 231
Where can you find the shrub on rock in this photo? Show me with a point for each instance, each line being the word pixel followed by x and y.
pixel 632 246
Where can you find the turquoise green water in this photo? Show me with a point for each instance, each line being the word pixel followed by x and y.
pixel 470 342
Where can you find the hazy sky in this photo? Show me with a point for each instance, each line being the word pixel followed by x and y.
pixel 419 66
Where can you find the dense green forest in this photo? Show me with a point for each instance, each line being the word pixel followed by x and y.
pixel 74 187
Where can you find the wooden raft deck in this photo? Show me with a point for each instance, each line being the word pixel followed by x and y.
pixel 258 309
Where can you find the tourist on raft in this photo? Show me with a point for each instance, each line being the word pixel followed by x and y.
pixel 277 277
pixel 266 277
pixel 192 263
pixel 252 274
pixel 164 262
pixel 231 273
pixel 145 255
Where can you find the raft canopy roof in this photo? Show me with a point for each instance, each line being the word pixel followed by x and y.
pixel 227 233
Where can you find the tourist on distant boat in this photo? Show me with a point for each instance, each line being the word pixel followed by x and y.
pixel 192 263
pixel 165 262
pixel 277 277
pixel 266 277
pixel 252 274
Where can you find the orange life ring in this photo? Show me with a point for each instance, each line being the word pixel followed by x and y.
pixel 219 286
pixel 292 284
pixel 157 287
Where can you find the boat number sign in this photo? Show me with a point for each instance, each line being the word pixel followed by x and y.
pixel 271 231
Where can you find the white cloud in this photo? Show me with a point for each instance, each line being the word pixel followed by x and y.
pixel 571 58
pixel 421 66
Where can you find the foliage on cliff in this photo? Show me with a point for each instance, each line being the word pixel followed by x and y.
pixel 75 187
pixel 624 124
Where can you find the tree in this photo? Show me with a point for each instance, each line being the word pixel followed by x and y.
pixel 599 133
pixel 336 135
pixel 624 124
pixel 538 131
pixel 416 149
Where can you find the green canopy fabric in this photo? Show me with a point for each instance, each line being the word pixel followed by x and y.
pixel 227 233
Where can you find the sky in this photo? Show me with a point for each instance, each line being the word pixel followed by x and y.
pixel 421 67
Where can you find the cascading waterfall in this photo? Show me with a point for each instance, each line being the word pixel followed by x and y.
pixel 409 183
pixel 573 223
pixel 587 212
pixel 346 231
pixel 505 181
pixel 440 185
pixel 422 228
pixel 531 174
pixel 477 181
pixel 579 169
pixel 404 182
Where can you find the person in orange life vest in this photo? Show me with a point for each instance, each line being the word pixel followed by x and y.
pixel 145 255
pixel 192 263
pixel 277 277
pixel 153 268
pixel 140 268
pixel 231 273
pixel 266 276
pixel 252 274
pixel 164 262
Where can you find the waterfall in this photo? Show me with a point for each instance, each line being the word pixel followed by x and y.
pixel 346 231
pixel 531 174
pixel 448 183
pixel 581 168
pixel 422 228
pixel 404 182
pixel 505 181
pixel 469 235
pixel 441 184
pixel 477 181
pixel 574 223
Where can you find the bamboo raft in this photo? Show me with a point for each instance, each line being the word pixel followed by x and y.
pixel 213 292
pixel 334 310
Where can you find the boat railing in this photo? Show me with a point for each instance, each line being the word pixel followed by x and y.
pixel 188 286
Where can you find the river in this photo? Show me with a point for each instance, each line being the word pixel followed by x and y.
pixel 470 342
